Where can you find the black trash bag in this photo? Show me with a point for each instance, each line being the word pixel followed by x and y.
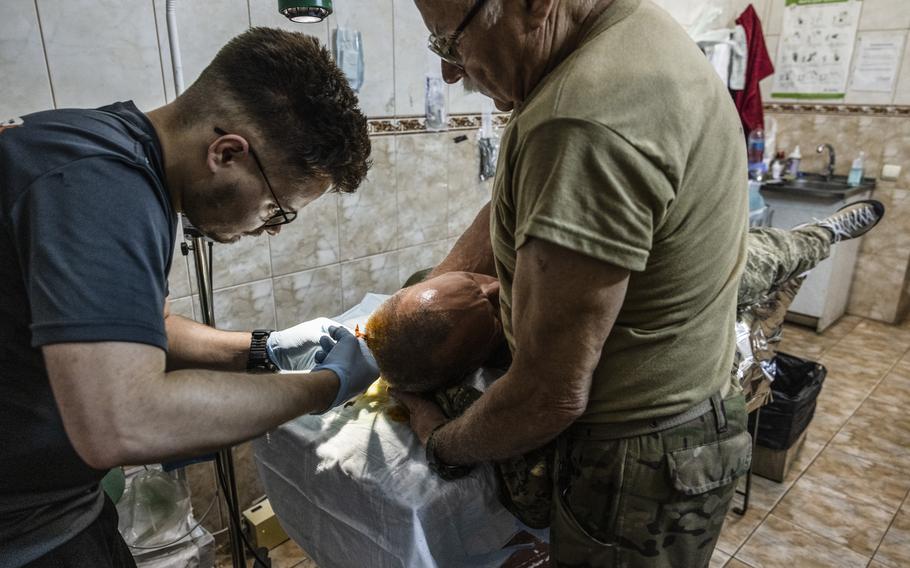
pixel 797 384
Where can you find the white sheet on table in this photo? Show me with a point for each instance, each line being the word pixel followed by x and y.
pixel 353 489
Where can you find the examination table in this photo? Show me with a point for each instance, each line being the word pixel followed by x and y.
pixel 353 489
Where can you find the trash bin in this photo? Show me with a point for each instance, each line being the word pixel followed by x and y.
pixel 794 392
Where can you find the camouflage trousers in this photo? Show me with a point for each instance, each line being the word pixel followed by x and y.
pixel 775 256
pixel 655 500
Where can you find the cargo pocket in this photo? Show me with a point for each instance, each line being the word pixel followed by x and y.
pixel 700 469
pixel 571 544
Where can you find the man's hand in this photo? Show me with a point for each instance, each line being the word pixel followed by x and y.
pixel 350 359
pixel 294 349
pixel 425 415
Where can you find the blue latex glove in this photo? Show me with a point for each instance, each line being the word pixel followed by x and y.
pixel 294 349
pixel 349 358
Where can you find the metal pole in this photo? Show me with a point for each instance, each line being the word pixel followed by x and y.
pixel 224 458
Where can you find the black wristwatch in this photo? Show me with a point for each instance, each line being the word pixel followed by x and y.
pixel 443 470
pixel 258 361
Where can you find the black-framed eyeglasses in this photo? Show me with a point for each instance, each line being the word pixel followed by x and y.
pixel 280 217
pixel 446 46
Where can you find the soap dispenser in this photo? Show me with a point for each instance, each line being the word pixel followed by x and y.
pixel 855 179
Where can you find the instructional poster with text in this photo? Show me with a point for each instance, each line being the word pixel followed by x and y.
pixel 813 60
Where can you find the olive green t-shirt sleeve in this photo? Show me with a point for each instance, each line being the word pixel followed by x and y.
pixel 580 185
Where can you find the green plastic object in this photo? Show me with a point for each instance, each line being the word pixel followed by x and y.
pixel 305 11
pixel 114 483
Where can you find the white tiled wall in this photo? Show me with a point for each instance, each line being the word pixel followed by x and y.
pixel 25 84
pixel 877 16
pixel 99 51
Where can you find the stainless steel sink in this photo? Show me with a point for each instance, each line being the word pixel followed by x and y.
pixel 820 185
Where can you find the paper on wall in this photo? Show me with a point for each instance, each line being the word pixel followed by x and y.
pixel 813 61
pixel 877 59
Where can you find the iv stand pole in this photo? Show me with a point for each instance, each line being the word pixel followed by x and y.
pixel 203 260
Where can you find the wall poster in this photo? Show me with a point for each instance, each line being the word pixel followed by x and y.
pixel 813 60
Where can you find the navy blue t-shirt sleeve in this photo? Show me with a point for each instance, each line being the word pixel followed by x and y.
pixel 94 242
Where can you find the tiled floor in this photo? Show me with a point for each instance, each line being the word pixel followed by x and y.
pixel 845 501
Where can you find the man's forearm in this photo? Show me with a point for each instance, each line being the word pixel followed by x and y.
pixel 521 419
pixel 150 415
pixel 195 345
pixel 166 426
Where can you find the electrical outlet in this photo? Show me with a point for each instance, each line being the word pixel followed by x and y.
pixel 891 172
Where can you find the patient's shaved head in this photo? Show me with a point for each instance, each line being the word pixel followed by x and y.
pixel 431 335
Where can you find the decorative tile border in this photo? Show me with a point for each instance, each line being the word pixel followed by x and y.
pixel 839 110
pixel 417 124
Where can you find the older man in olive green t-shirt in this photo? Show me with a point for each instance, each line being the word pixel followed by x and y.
pixel 617 230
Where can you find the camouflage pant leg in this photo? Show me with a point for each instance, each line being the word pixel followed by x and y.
pixel 775 256
pixel 655 501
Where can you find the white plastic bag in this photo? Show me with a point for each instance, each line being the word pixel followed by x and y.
pixel 154 510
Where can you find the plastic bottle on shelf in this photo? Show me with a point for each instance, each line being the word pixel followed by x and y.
pixel 756 149
pixel 777 166
pixel 855 179
pixel 795 159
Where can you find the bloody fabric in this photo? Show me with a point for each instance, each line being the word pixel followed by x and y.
pixel 758 66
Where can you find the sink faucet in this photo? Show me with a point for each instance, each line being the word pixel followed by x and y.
pixel 831 159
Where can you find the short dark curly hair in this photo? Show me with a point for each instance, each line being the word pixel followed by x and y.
pixel 286 86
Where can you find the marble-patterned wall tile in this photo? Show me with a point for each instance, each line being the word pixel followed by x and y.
pixel 311 240
pixel 373 18
pixel 878 283
pixel 902 91
pixel 891 237
pixel 101 51
pixel 203 490
pixel 413 60
pixel 246 307
pixel 897 148
pixel 422 173
pixel 249 488
pixel 848 134
pixel 179 279
pixel 26 86
pixel 203 28
pixel 306 295
pixel 885 15
pixel 412 259
pixel 367 221
pixel 864 134
pixel 903 307
pixel 243 261
pixel 197 309
pixel 182 307
pixel 466 193
pixel 265 13
pixel 378 274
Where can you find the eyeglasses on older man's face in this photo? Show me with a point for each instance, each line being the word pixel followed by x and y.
pixel 446 46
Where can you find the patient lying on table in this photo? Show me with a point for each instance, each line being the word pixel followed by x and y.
pixel 453 322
